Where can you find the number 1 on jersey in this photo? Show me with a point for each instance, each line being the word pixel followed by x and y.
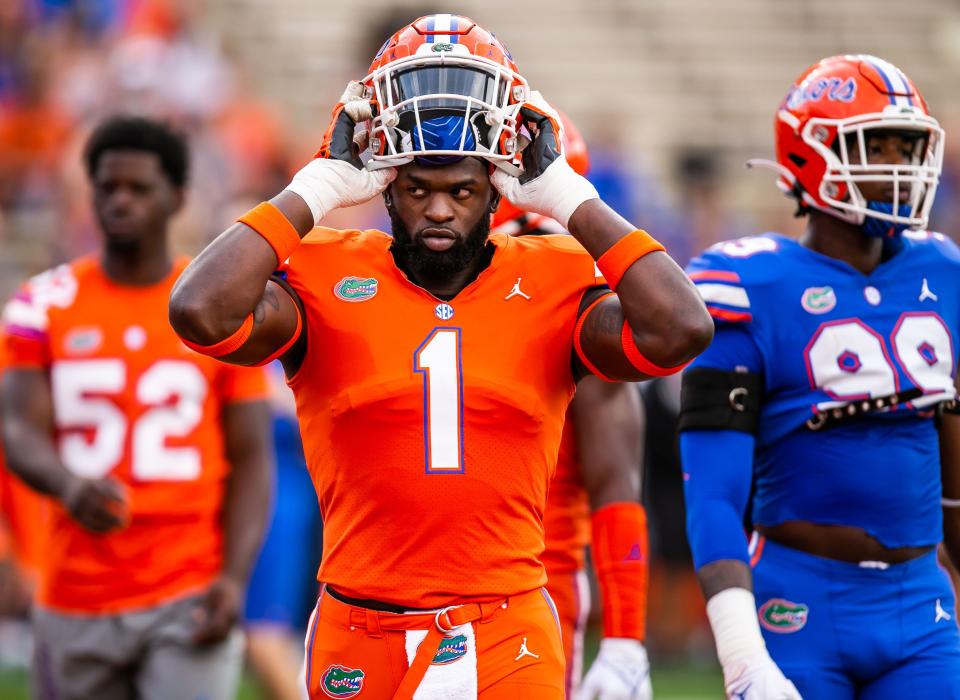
pixel 438 360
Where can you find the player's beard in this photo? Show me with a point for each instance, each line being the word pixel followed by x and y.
pixel 411 254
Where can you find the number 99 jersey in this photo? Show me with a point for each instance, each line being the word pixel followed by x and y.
pixel 823 335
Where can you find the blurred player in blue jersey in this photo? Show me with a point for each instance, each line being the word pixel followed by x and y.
pixel 818 408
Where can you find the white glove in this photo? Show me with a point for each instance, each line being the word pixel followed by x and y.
pixel 761 680
pixel 748 671
pixel 547 185
pixel 337 178
pixel 620 672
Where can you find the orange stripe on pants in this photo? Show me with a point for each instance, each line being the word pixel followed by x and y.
pixel 351 652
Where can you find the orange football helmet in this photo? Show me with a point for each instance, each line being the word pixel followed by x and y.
pixel 836 104
pixel 577 155
pixel 444 87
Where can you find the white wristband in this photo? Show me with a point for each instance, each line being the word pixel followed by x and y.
pixel 950 502
pixel 733 618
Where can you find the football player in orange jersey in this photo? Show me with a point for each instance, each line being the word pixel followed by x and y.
pixel 159 457
pixel 432 369
pixel 595 495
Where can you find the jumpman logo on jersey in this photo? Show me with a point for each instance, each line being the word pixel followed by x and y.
pixel 941 613
pixel 925 292
pixel 516 291
pixel 525 652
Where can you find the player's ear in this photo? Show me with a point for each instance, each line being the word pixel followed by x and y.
pixel 388 197
pixel 494 200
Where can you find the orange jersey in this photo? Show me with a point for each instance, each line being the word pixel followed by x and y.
pixel 133 403
pixel 22 511
pixel 431 428
pixel 567 520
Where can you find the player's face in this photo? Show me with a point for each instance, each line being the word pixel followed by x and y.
pixel 441 214
pixel 887 148
pixel 133 198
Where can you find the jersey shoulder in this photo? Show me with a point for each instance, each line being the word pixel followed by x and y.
pixel 559 253
pixel 327 247
pixel 933 246
pixel 732 275
pixel 28 311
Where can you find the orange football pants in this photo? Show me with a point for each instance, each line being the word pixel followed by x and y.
pixel 570 592
pixel 356 652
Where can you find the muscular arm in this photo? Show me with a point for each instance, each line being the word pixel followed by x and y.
pixel 230 280
pixel 608 423
pixel 669 321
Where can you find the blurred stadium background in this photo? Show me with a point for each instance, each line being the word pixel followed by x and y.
pixel 672 96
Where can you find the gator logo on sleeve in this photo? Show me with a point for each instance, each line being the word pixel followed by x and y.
pixel 356 288
pixel 783 616
pixel 451 649
pixel 342 682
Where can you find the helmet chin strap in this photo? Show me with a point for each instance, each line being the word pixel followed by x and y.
pixel 880 228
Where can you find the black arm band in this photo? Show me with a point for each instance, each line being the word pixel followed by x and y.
pixel 715 399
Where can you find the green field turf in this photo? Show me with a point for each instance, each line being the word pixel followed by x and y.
pixel 669 683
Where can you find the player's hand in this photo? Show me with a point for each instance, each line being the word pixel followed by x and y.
pixel 335 177
pixel 620 672
pixel 760 680
pixel 99 505
pixel 217 611
pixel 547 185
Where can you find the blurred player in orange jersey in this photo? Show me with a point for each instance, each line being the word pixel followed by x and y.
pixel 432 369
pixel 596 488
pixel 159 457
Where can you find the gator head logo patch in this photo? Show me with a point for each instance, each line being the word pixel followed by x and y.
pixel 783 616
pixel 818 300
pixel 342 682
pixel 451 649
pixel 356 288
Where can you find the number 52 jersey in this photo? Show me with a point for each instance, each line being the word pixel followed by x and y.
pixel 132 403
pixel 823 335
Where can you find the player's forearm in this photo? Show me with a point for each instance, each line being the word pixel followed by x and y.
pixel 249 487
pixel 669 320
pixel 222 286
pixel 32 456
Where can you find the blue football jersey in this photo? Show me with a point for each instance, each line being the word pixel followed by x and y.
pixel 823 335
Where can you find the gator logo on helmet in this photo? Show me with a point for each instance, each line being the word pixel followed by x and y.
pixel 451 649
pixel 783 616
pixel 442 47
pixel 342 682
pixel 356 288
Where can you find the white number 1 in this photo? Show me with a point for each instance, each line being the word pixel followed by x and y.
pixel 438 359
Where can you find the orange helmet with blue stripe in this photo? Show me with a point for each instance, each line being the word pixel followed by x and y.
pixel 443 88
pixel 822 127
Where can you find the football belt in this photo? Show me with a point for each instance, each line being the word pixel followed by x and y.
pixel 829 417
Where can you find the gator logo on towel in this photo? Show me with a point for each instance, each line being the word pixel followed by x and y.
pixel 451 649
pixel 783 616
pixel 342 682
pixel 356 288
